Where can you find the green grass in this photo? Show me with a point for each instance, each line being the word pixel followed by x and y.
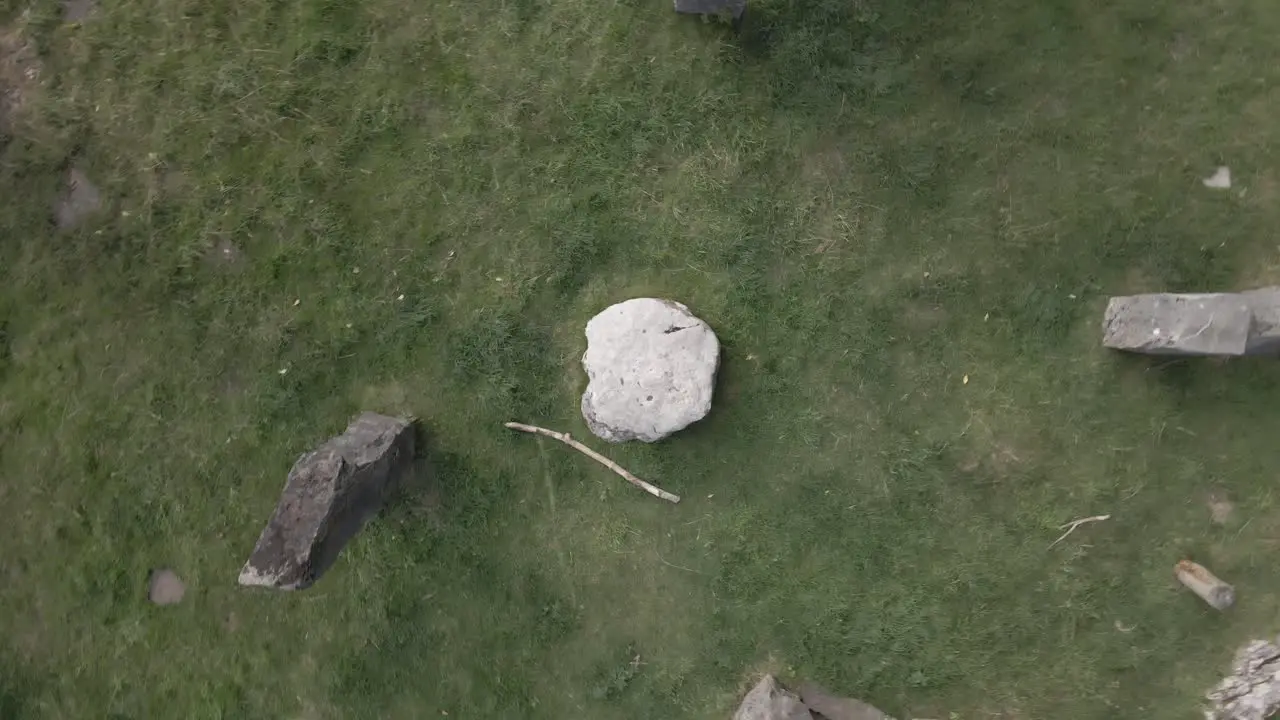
pixel 868 200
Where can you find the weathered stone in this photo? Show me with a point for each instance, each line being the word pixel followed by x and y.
pixel 734 8
pixel 1264 333
pixel 165 587
pixel 830 707
pixel 1252 691
pixel 770 701
pixel 330 493
pixel 20 71
pixel 1245 323
pixel 79 200
pixel 651 367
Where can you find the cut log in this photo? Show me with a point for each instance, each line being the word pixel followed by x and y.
pixel 1199 580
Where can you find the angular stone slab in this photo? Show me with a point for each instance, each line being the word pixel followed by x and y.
pixel 329 495
pixel 768 700
pixel 1198 324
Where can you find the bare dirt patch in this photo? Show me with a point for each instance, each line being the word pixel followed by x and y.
pixel 226 254
pixel 232 384
pixel 824 161
pixel 1182 47
pixel 19 74
pixel 1000 448
pixel 80 199
pixel 1220 507
pixel 173 181
pixel 999 460
pixel 922 317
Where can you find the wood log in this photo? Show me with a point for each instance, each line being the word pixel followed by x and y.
pixel 1212 590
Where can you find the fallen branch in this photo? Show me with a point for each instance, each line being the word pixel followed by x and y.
pixel 1071 527
pixel 567 440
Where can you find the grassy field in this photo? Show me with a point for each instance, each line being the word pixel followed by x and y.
pixel 902 219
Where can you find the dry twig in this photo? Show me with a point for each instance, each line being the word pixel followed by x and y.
pixel 1071 526
pixel 568 440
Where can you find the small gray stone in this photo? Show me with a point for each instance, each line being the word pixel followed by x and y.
pixel 330 493
pixel 165 587
pixel 79 200
pixel 770 701
pixel 651 367
pixel 712 7
pixel 1228 324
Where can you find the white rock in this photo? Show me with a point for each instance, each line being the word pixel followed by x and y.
pixel 1220 180
pixel 651 367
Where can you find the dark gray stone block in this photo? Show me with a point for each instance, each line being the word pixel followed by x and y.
pixel 329 495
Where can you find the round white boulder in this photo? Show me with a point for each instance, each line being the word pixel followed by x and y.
pixel 651 368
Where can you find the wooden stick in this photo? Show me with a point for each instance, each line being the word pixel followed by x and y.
pixel 567 440
pixel 1218 594
pixel 1071 527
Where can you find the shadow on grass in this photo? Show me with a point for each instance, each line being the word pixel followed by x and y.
pixel 20 686
pixel 439 527
pixel 815 51
pixel 1203 382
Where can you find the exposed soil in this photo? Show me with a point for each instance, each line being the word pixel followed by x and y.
pixel 19 75
pixel 80 199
